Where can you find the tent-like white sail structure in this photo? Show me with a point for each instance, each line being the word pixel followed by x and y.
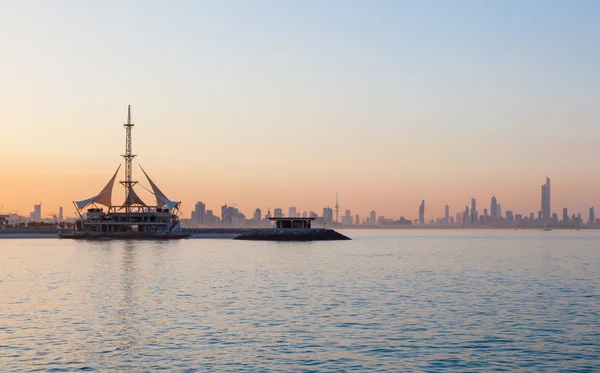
pixel 103 198
pixel 133 199
pixel 161 199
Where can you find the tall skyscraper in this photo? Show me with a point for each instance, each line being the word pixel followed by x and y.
pixel 327 215
pixel 422 212
pixel 373 217
pixel 347 218
pixel 257 215
pixel 199 212
pixel 474 212
pixel 499 208
pixel 494 208
pixel 446 214
pixel 37 212
pixel 565 220
pixel 278 213
pixel 61 216
pixel 546 210
pixel 592 217
pixel 292 212
pixel 337 206
pixel 357 219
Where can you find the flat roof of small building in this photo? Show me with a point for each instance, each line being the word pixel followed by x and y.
pixel 291 218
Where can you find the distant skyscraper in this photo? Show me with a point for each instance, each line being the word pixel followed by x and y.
pixel 565 220
pixel 422 212
pixel 278 213
pixel 312 214
pixel 347 219
pixel 446 214
pixel 292 212
pixel 592 217
pixel 474 213
pixel 337 207
pixel 200 212
pixel 494 208
pixel 61 217
pixel 327 215
pixel 257 215
pixel 357 219
pixel 499 208
pixel 546 210
pixel 37 212
pixel 373 217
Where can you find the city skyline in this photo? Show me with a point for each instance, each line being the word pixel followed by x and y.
pixel 239 102
pixel 429 213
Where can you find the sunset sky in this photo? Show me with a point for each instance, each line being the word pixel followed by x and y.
pixel 280 103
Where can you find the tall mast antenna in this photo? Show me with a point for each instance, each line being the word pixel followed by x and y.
pixel 128 183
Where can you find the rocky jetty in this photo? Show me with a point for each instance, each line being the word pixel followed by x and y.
pixel 311 234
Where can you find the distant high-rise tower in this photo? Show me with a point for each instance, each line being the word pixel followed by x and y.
pixel 200 212
pixel 278 213
pixel 546 211
pixel 446 214
pixel 422 212
pixel 592 217
pixel 61 216
pixel 337 206
pixel 327 215
pixel 292 212
pixel 474 212
pixel 257 215
pixel 565 220
pixel 373 217
pixel 494 208
pixel 37 212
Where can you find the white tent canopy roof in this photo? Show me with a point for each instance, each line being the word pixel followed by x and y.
pixel 104 197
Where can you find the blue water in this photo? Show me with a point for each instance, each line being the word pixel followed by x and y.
pixel 421 301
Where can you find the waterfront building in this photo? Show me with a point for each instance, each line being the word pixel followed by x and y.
pixel 292 223
pixel 422 212
pixel 591 216
pixel 373 217
pixel 565 220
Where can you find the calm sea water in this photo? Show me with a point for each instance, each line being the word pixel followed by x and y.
pixel 422 301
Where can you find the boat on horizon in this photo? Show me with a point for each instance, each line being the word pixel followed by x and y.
pixel 134 219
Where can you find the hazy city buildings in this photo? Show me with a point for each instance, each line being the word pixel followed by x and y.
pixel 422 212
pixel 292 212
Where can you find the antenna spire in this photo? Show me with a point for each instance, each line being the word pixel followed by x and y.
pixel 128 183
